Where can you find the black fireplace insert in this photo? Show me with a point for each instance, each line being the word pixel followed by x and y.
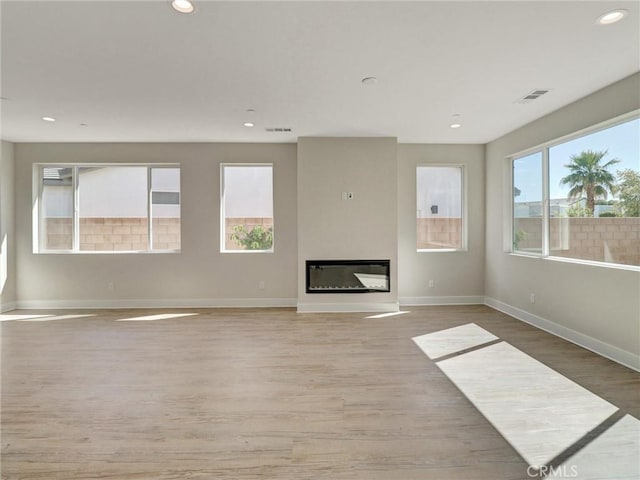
pixel 348 276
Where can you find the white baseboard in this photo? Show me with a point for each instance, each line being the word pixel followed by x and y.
pixel 623 357
pixel 380 307
pixel 450 300
pixel 7 307
pixel 164 303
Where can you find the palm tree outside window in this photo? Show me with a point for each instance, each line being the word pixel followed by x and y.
pixel 579 198
pixel 589 177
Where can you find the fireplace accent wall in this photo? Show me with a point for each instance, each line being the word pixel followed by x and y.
pixel 348 276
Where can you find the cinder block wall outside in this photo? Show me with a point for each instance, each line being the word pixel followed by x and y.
pixel 439 232
pixel 130 234
pixel 610 239
pixel 113 234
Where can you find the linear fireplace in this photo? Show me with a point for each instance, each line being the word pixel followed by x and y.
pixel 347 276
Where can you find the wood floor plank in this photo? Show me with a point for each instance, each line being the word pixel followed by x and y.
pixel 259 394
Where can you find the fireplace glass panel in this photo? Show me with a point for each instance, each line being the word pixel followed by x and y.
pixel 347 276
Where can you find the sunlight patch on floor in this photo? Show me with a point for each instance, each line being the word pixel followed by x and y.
pixel 452 340
pixel 388 314
pixel 50 318
pixel 540 412
pixel 614 454
pixel 22 317
pixel 161 316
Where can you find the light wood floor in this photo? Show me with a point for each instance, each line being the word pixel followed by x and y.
pixel 260 394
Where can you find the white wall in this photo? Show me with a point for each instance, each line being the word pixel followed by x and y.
pixel 458 276
pixel 597 306
pixel 363 228
pixel 7 229
pixel 200 274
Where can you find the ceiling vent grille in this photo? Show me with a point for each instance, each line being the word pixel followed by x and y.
pixel 277 129
pixel 533 95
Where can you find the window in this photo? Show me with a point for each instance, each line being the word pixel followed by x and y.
pixel 108 208
pixel 591 196
pixel 246 208
pixel 56 208
pixel 440 206
pixel 527 203
pixel 165 208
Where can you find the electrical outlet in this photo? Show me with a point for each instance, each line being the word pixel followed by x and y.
pixel 532 298
pixel 432 283
pixel 261 285
pixel 111 286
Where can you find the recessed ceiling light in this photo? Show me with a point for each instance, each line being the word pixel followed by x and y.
pixel 183 6
pixel 612 17
pixel 48 119
pixel 455 121
pixel 84 125
pixel 249 124
pixel 369 80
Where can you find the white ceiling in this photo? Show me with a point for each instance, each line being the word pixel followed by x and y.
pixel 140 72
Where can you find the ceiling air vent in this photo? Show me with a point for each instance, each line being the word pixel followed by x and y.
pixel 278 129
pixel 531 96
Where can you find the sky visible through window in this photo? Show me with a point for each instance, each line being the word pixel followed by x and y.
pixel 621 141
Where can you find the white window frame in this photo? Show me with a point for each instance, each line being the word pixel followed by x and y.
pixel 463 207
pixel 38 187
pixel 222 207
pixel 544 148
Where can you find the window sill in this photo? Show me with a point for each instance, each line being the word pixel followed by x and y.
pixel 615 266
pixel 440 250
pixel 246 251
pixel 108 252
pixel 526 254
